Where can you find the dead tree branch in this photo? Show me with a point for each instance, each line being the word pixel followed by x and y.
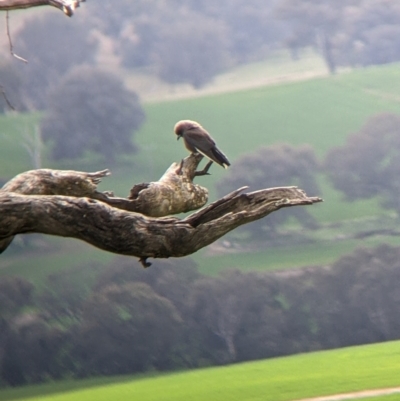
pixel 10 41
pixel 67 6
pixel 4 94
pixel 67 204
pixel 173 193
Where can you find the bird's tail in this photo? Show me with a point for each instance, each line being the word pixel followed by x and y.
pixel 220 158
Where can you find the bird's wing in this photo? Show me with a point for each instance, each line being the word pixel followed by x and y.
pixel 199 139
pixel 204 144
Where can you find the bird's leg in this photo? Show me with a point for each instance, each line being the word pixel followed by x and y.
pixel 205 170
pixel 179 169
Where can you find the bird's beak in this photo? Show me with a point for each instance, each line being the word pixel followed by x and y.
pixel 179 137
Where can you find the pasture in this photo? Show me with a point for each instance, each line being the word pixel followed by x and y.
pixel 320 112
pixel 280 379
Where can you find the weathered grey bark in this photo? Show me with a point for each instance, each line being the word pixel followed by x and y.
pixel 67 204
pixel 67 6
pixel 173 193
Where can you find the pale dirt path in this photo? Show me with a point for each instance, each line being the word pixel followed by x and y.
pixel 190 93
pixel 260 74
pixel 356 395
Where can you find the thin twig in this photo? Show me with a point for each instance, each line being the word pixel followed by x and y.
pixel 3 92
pixel 10 42
pixel 205 170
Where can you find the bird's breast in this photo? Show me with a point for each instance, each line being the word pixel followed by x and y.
pixel 189 146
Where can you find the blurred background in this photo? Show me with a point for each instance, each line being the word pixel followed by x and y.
pixel 295 93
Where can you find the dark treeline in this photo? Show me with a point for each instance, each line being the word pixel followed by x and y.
pixel 171 317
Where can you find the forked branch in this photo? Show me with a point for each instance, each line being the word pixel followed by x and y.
pixel 73 208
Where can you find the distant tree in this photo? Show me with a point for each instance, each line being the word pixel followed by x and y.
pixel 169 279
pixel 314 23
pixel 370 309
pixel 179 44
pixel 15 292
pixel 236 31
pixel 138 37
pixel 193 50
pixel 28 345
pixel 112 18
pixel 276 165
pixel 33 351
pixel 263 329
pixel 126 328
pixel 50 56
pixel 65 291
pixel 377 293
pixel 173 280
pixel 242 311
pixel 90 110
pixel 369 33
pixel 11 88
pixel 253 27
pixel 220 304
pixel 368 165
pixel 357 32
pixel 137 41
pixel 382 46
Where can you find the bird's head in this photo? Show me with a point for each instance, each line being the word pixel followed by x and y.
pixel 181 127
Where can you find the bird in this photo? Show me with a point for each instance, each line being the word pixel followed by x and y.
pixel 198 140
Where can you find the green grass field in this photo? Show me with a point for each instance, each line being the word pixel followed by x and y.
pixel 59 254
pixel 320 112
pixel 280 258
pixel 288 378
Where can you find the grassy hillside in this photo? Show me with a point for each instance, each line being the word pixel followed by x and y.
pixel 289 378
pixel 321 253
pixel 13 156
pixel 320 112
